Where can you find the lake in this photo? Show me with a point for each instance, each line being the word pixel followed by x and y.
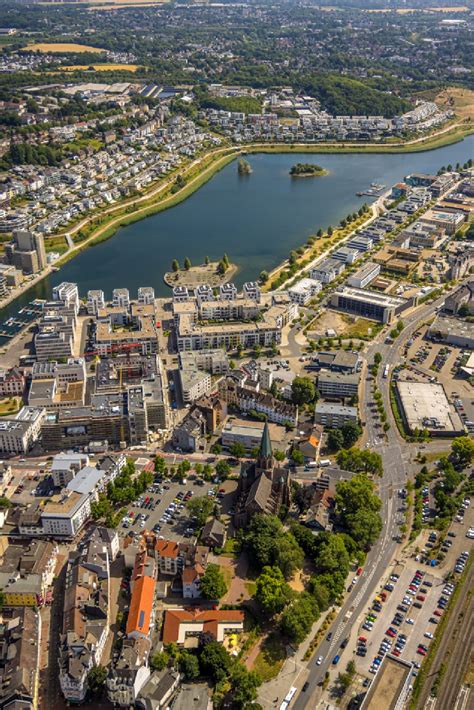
pixel 257 220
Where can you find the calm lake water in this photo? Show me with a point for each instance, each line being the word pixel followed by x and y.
pixel 255 219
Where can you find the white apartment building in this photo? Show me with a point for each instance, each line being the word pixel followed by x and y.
pixel 95 301
pixel 121 298
pixel 64 516
pixel 68 294
pixel 19 434
pixel 303 291
pixel 146 295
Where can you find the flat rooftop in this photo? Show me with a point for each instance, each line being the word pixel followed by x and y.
pixel 381 299
pixel 426 406
pixel 387 685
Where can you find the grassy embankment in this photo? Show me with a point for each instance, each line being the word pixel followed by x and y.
pixel 101 230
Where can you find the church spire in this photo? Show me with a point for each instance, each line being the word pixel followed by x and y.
pixel 265 443
pixel 265 454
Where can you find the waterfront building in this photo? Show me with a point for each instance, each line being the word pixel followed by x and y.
pixel 327 270
pixel 68 294
pixel 180 294
pixel 95 301
pixel 303 291
pixel 228 292
pixel 251 290
pixel 146 295
pixel 121 298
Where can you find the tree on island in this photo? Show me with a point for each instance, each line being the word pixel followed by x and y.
pixel 175 265
pixel 330 230
pixel 187 263
pixel 263 278
pixel 207 261
pixel 307 169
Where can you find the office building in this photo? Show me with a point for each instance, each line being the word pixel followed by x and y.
pixel 331 414
pixel 338 384
pixel 364 275
pixel 369 304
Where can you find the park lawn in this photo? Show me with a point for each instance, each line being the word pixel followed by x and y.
pixel 9 406
pixel 62 48
pixel 227 574
pixel 271 657
pixel 251 587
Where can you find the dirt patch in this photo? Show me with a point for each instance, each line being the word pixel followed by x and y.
pixel 459 100
pixel 202 274
pixel 344 325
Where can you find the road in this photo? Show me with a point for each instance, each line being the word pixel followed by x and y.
pixel 396 458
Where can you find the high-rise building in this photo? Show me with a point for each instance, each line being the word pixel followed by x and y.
pixel 26 251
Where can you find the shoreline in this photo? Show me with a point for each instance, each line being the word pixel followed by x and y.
pixel 155 202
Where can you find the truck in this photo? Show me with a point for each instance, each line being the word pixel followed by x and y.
pixel 324 463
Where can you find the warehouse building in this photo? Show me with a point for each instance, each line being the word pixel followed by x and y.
pixel 424 405
pixel 452 331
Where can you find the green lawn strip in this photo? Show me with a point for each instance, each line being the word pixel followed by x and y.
pixel 271 657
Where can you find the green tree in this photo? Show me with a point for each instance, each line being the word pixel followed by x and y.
pixel 244 685
pixel 350 432
pixel 175 265
pixel 462 450
pixel 159 661
pixel 302 390
pixel 189 665
pixel 335 439
pixel 237 450
pixel 297 457
pixel 223 469
pixel 96 680
pixel 216 448
pixel 263 278
pixel 298 618
pixel 213 585
pixel 272 592
pixel 279 455
pixel 200 508
pixel 364 460
pixel 377 358
pixel 207 261
pixel 214 661
pixel 330 230
pixel 187 263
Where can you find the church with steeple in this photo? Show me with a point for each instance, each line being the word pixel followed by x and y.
pixel 263 486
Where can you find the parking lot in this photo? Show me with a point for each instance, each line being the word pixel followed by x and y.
pixel 406 612
pixel 172 496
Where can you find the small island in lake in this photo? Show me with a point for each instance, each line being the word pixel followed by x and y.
pixel 307 170
pixel 243 167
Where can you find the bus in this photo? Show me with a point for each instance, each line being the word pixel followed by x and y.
pixel 385 372
pixel 288 698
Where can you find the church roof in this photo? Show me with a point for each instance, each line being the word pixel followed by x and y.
pixel 265 443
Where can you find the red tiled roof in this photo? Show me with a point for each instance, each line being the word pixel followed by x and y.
pixel 141 606
pixel 167 548
pixel 208 619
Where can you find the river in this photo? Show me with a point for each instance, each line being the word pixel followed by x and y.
pixel 255 219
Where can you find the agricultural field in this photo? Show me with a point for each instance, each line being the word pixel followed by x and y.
pixel 102 67
pixel 460 100
pixel 62 48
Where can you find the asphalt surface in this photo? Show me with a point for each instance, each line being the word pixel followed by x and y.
pixel 396 457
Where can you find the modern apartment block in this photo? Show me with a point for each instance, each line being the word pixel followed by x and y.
pixel 330 414
pixel 19 433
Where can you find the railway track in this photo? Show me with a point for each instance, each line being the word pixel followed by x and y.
pixel 454 653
